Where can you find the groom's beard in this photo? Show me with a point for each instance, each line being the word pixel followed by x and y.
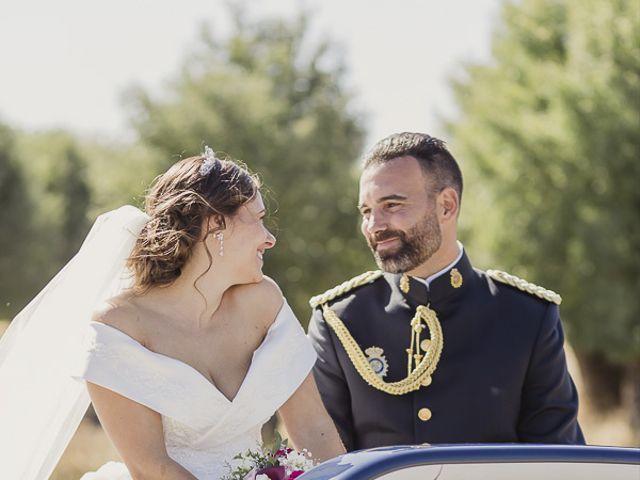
pixel 417 245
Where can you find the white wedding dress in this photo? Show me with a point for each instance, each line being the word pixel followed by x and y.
pixel 203 430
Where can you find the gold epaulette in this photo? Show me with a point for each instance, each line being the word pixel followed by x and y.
pixel 344 287
pixel 520 284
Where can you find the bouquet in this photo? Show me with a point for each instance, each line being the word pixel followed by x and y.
pixel 276 463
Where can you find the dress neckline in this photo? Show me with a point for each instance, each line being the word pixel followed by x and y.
pixel 190 367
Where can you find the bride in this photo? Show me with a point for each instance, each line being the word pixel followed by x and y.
pixel 184 359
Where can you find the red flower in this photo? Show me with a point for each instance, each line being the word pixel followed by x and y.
pixel 274 473
pixel 283 452
pixel 295 474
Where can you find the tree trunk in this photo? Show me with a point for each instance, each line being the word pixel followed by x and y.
pixel 602 381
pixel 631 397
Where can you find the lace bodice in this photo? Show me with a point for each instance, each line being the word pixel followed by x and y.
pixel 202 428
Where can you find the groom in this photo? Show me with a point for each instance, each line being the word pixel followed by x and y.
pixel 429 349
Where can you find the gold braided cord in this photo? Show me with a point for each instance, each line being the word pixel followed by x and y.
pixel 520 284
pixel 362 279
pixel 415 378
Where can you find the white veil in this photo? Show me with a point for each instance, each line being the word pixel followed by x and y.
pixel 40 404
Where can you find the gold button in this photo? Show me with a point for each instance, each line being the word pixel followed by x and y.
pixel 424 414
pixel 425 344
pixel 426 381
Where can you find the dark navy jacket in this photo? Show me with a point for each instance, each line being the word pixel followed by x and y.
pixel 502 376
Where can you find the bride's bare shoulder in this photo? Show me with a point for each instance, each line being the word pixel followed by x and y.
pixel 123 313
pixel 261 300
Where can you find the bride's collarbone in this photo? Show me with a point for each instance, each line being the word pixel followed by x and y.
pixel 223 364
pixel 221 350
pixel 222 354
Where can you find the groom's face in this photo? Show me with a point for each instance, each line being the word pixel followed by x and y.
pixel 399 219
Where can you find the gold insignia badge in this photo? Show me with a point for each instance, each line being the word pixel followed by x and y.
pixel 377 361
pixel 456 278
pixel 404 283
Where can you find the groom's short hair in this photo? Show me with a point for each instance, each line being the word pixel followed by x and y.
pixel 431 153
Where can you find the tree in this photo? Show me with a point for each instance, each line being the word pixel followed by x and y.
pixel 549 128
pixel 268 96
pixel 58 185
pixel 16 217
pixel 53 184
pixel 117 173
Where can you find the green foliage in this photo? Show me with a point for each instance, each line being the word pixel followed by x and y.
pixel 52 186
pixel 59 187
pixel 117 174
pixel 16 219
pixel 51 212
pixel 267 96
pixel 550 133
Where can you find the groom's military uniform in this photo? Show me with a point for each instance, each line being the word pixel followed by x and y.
pixel 475 357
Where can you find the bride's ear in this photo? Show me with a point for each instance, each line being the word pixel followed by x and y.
pixel 213 223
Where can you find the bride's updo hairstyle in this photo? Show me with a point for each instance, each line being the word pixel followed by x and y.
pixel 178 202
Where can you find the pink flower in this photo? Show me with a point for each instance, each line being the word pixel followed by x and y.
pixel 295 474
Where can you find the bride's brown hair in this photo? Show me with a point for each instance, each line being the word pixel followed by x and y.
pixel 177 203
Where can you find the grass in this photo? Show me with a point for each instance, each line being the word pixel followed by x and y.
pixel 90 447
pixel 611 428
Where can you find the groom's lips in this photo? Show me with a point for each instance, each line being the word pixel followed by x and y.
pixel 386 243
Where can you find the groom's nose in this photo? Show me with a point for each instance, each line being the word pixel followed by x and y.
pixel 375 222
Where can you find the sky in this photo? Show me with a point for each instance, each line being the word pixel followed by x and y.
pixel 66 63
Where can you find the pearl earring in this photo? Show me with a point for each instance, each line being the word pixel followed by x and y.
pixel 220 238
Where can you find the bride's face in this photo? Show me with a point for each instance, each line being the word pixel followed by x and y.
pixel 245 241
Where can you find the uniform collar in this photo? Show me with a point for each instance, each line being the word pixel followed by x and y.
pixel 427 281
pixel 443 286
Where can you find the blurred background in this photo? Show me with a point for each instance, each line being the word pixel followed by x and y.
pixel 539 100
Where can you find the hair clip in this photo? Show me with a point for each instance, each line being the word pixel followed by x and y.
pixel 435 142
pixel 209 161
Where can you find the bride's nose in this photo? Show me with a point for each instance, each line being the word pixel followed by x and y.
pixel 271 240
